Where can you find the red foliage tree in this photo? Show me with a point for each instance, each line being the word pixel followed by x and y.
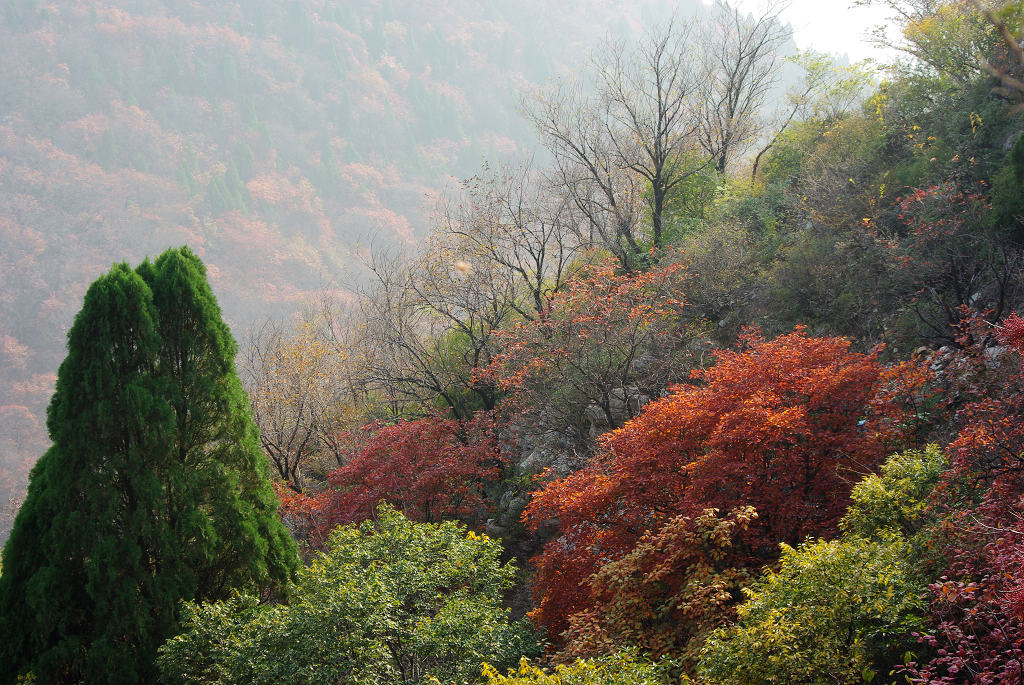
pixel 781 425
pixel 977 606
pixel 431 469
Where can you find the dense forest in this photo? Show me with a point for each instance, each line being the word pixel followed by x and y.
pixel 723 385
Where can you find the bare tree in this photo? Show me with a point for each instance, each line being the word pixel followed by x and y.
pixel 620 152
pixel 394 336
pixel 428 325
pixel 508 223
pixel 741 63
pixel 292 372
pixel 683 101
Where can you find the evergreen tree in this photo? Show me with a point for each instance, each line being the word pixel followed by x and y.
pixel 154 490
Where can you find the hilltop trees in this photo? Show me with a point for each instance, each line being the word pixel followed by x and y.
pixel 539 314
pixel 620 152
pixel 154 490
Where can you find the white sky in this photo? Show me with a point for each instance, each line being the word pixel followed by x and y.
pixel 831 26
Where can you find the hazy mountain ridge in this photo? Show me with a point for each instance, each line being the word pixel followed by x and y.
pixel 275 139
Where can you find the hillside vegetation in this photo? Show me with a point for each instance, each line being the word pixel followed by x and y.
pixel 280 141
pixel 726 386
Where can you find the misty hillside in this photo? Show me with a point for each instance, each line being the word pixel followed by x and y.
pixel 276 139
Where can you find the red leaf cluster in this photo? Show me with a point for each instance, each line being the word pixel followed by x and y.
pixel 976 636
pixel 977 606
pixel 431 469
pixel 783 425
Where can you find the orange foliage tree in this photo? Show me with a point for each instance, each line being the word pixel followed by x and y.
pixel 667 593
pixel 782 425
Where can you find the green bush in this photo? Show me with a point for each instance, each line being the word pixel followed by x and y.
pixel 616 669
pixel 390 601
pixel 835 612
pixel 895 500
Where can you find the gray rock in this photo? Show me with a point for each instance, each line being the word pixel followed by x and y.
pixel 623 404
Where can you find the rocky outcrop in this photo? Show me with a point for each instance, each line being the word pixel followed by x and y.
pixel 623 404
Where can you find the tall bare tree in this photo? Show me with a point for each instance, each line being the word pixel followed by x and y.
pixel 687 98
pixel 741 63
pixel 620 151
pixel 510 224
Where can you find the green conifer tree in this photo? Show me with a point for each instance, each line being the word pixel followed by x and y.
pixel 154 490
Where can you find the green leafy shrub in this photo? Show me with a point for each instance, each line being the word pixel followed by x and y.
pixel 390 601
pixel 622 668
pixel 895 500
pixel 834 612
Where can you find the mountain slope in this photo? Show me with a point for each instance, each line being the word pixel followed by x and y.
pixel 278 140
